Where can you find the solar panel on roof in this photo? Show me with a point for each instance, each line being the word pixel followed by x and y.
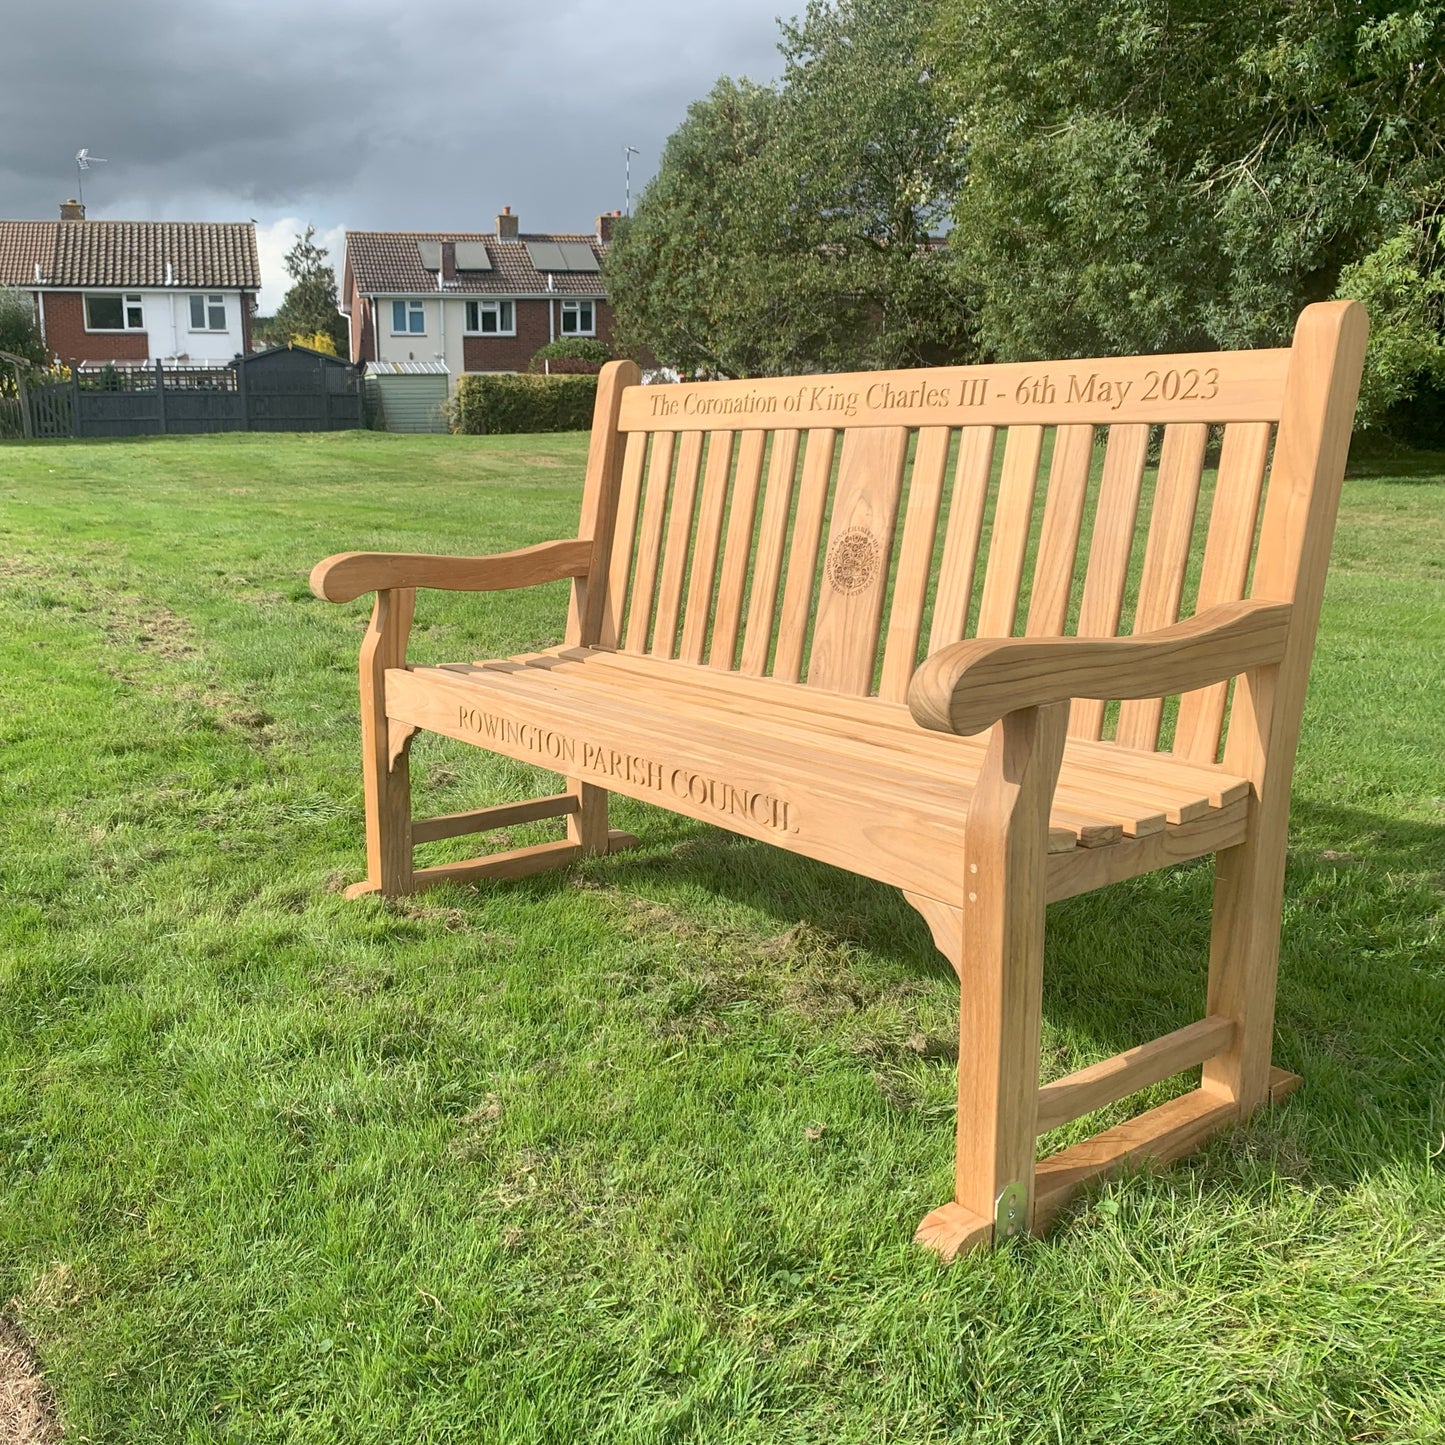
pixel 577 256
pixel 431 255
pixel 562 255
pixel 545 255
pixel 472 256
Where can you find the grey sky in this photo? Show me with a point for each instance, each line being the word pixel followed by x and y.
pixel 374 114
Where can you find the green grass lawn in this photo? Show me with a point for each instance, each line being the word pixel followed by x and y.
pixel 634 1152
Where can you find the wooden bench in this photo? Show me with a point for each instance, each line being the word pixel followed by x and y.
pixel 745 646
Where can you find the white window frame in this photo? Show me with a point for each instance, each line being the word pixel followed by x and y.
pixel 504 311
pixel 415 310
pixel 129 300
pixel 211 303
pixel 574 310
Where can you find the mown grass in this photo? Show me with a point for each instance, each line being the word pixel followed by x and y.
pixel 634 1152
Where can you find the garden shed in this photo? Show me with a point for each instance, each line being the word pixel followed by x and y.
pixel 409 396
pixel 293 388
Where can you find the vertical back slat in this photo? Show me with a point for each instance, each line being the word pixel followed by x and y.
pixel 856 565
pixel 1166 555
pixel 1227 551
pixel 703 577
pixel 803 554
pixel 1009 540
pixel 619 567
pixel 768 569
pixel 738 549
pixel 679 539
pixel 649 540
pixel 1059 538
pixel 915 560
pixel 960 545
pixel 1109 547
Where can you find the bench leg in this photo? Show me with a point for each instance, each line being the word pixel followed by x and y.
pixel 1000 967
pixel 391 831
pixel 587 826
pixel 1243 967
pixel 385 764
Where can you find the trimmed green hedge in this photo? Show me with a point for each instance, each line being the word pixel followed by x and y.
pixel 492 404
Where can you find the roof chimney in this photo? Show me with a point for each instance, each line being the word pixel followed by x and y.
pixel 506 225
pixel 604 227
pixel 72 210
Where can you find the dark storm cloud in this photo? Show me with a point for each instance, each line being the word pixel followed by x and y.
pixel 367 114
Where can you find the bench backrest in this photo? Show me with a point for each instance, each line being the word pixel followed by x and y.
pixel 833 530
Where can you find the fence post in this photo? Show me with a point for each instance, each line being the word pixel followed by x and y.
pixel 27 428
pixel 161 394
pixel 74 397
pixel 240 364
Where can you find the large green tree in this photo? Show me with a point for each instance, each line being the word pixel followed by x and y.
pixel 1144 175
pixel 788 226
pixel 310 305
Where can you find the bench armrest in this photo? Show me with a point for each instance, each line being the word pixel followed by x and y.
pixel 348 574
pixel 968 686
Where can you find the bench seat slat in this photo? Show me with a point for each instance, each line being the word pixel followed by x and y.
pixel 889 722
pixel 875 755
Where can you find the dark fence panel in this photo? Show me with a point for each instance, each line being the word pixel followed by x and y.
pixel 274 391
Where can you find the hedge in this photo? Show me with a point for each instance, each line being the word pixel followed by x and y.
pixel 496 403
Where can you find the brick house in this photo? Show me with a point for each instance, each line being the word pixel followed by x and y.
pixel 476 301
pixel 135 291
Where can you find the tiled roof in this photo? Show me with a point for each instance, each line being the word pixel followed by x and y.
pixel 386 263
pixel 22 244
pixel 130 253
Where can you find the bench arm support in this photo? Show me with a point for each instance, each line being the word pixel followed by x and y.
pixel 347 575
pixel 968 686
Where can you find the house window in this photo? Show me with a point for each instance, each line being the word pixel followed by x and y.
pixel 208 313
pixel 577 319
pixel 491 318
pixel 113 313
pixel 408 318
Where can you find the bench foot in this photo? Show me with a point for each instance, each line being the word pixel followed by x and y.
pixel 1156 1137
pixel 500 867
pixel 951 1230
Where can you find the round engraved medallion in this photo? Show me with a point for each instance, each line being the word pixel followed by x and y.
pixel 853 559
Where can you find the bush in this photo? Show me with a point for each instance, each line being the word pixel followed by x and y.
pixel 490 404
pixel 572 355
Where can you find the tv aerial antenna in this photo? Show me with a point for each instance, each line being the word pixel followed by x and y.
pixel 83 162
pixel 628 152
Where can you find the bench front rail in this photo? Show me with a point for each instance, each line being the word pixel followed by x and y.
pixel 799 611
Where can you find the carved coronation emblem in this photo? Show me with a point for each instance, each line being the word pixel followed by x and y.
pixel 853 559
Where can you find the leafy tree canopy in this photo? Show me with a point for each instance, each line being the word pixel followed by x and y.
pixel 310 305
pixel 1147 177
pixel 787 226
pixel 19 330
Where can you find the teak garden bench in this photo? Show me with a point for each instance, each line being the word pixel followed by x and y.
pixel 743 647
